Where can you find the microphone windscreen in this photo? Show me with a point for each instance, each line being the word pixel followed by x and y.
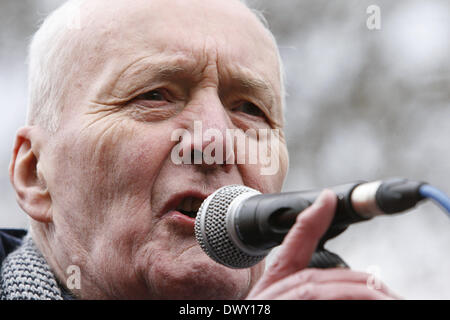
pixel 211 228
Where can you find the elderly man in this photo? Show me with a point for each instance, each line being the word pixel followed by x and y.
pixel 94 171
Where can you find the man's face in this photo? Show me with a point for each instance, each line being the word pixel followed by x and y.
pixel 147 69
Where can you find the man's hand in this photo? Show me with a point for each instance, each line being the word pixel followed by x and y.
pixel 288 278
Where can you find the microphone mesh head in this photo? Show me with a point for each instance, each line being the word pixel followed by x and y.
pixel 211 229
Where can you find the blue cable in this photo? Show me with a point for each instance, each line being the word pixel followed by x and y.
pixel 441 198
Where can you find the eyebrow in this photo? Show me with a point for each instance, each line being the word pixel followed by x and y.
pixel 252 83
pixel 144 71
pixel 165 71
pixel 248 81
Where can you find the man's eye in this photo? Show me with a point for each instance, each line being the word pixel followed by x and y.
pixel 154 95
pixel 250 109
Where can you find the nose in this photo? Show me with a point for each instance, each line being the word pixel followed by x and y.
pixel 208 125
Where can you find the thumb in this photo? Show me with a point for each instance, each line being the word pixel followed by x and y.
pixel 300 243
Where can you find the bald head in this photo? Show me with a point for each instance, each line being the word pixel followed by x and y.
pixel 80 34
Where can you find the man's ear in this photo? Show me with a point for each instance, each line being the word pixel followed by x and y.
pixel 27 178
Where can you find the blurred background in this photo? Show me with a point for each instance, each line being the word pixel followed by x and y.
pixel 362 104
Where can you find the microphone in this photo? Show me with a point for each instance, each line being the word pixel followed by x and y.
pixel 237 226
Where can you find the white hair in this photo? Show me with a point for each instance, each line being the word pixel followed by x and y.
pixel 49 73
pixel 48 70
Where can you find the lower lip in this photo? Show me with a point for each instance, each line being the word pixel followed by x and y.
pixel 181 218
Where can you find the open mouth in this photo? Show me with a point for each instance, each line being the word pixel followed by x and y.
pixel 189 206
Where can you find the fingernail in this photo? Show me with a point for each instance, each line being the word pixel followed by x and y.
pixel 321 199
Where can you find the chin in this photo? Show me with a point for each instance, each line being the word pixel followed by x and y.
pixel 198 279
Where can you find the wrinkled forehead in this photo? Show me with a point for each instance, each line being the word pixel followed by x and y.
pixel 115 34
pixel 130 27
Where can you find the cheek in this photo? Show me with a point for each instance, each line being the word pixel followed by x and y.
pixel 98 172
pixel 127 157
pixel 268 174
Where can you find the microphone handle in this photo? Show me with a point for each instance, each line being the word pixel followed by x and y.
pixel 322 258
pixel 264 220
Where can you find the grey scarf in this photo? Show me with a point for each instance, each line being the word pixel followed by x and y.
pixel 25 275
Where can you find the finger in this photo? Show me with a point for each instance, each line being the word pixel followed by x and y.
pixel 300 243
pixel 307 276
pixel 321 276
pixel 334 291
